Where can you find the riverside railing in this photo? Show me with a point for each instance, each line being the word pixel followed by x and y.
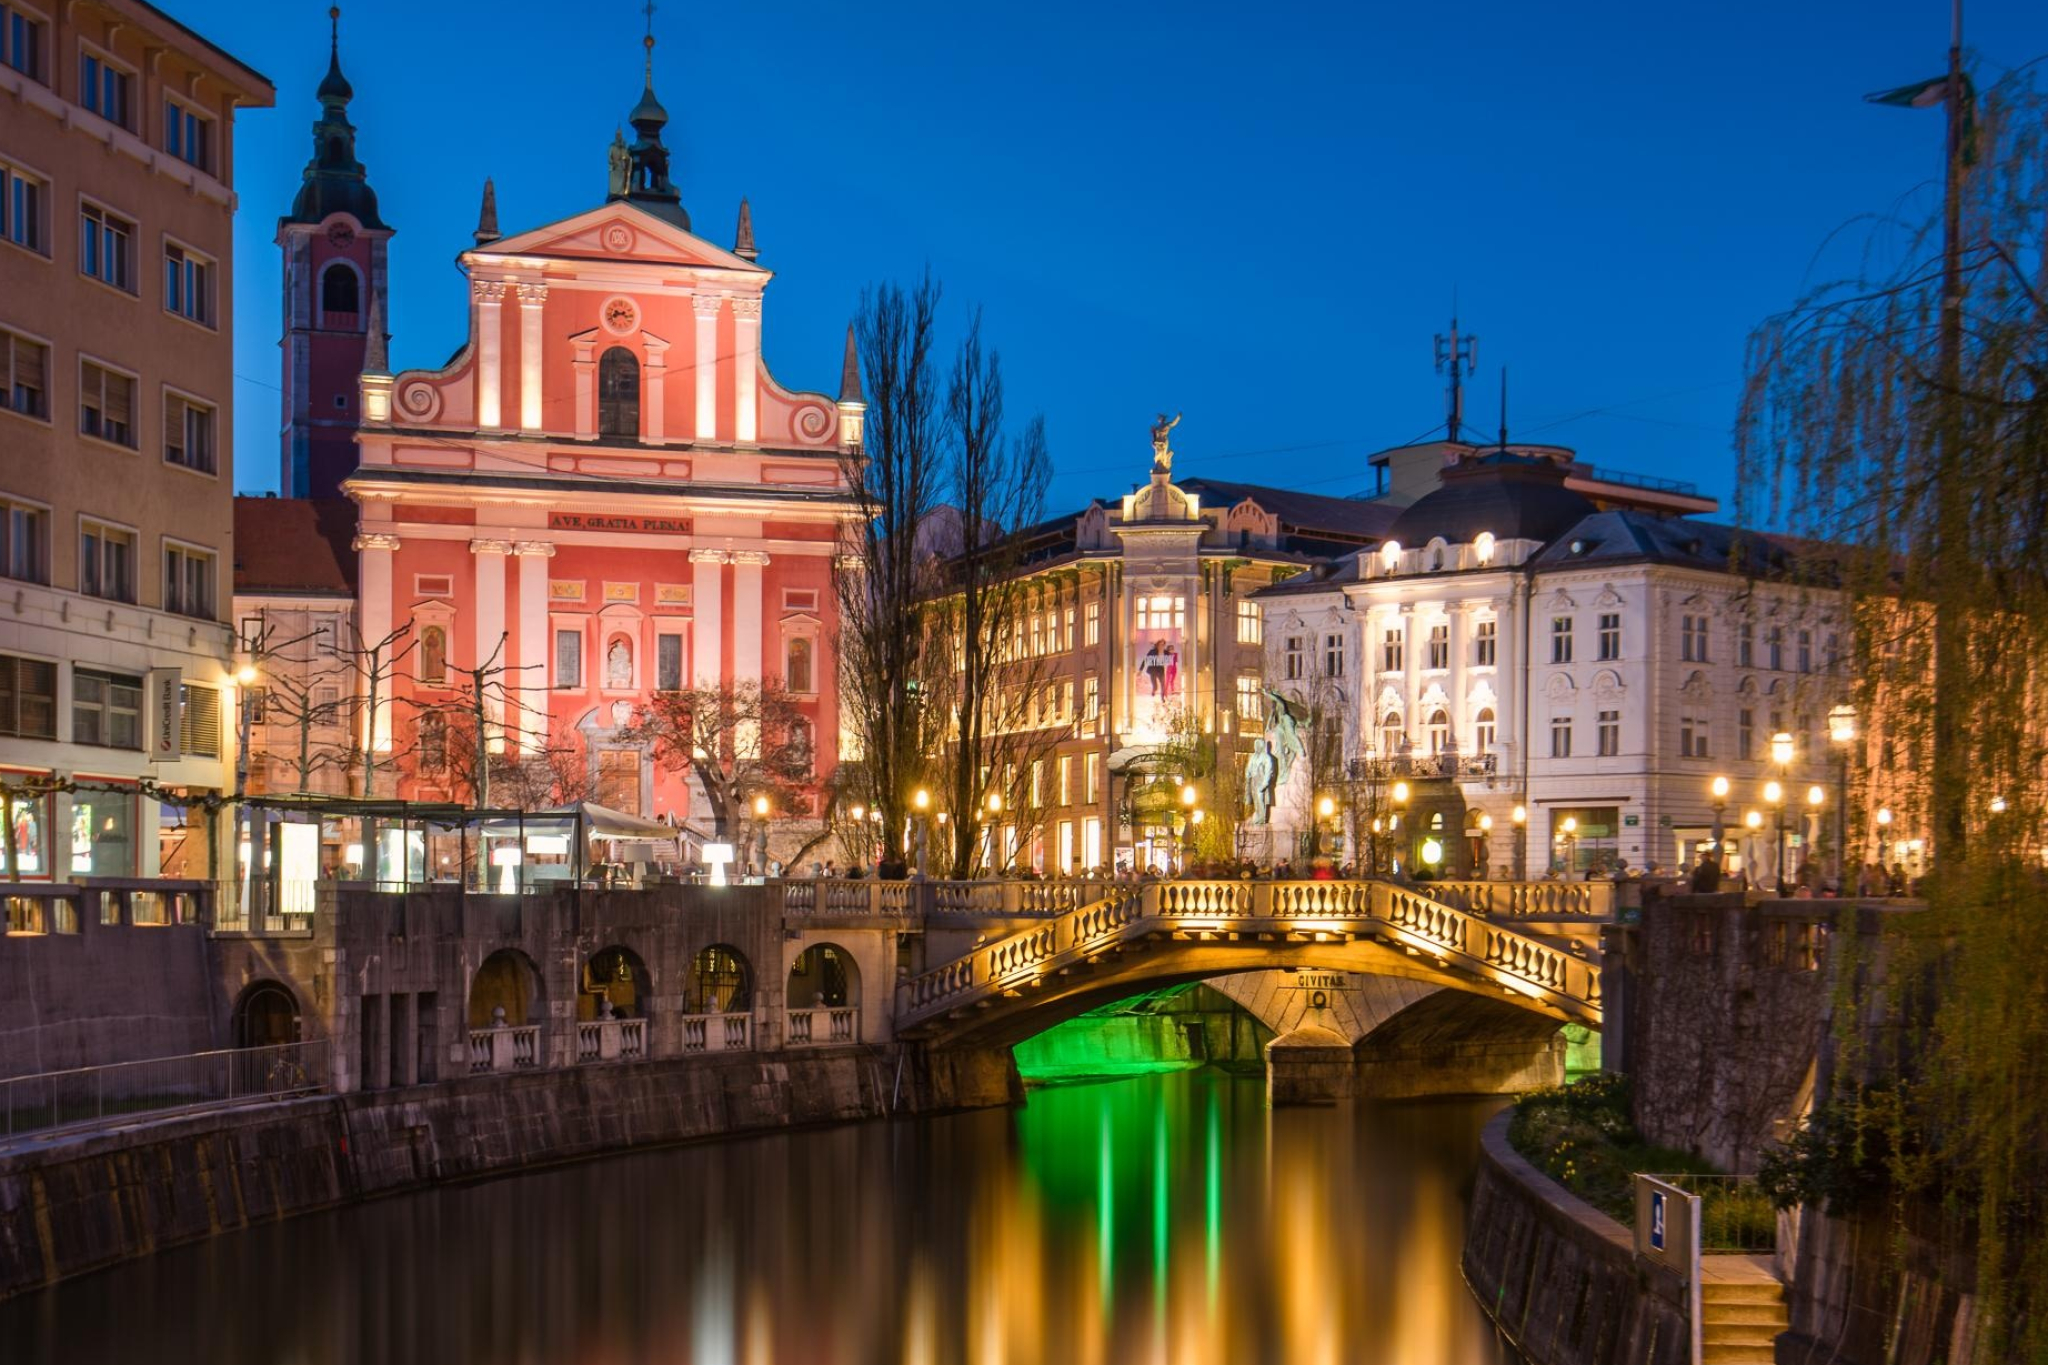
pixel 1735 1215
pixel 94 1094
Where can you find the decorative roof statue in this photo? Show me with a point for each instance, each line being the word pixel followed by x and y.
pixel 621 166
pixel 1162 449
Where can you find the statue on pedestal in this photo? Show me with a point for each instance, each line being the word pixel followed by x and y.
pixel 1162 450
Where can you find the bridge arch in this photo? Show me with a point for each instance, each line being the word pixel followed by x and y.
pixel 824 976
pixel 614 973
pixel 507 980
pixel 721 981
pixel 265 1014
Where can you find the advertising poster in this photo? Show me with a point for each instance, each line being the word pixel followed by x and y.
pixel 1158 661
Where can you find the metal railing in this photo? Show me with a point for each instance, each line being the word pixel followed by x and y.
pixel 1736 1216
pixel 94 1094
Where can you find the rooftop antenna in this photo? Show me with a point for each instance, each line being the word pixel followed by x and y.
pixel 1457 353
pixel 1503 409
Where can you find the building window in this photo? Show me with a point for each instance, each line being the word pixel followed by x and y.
pixel 1806 651
pixel 1092 623
pixel 797 675
pixel 1251 698
pixel 1560 737
pixel 1392 647
pixel 1091 696
pixel 24 542
pixel 103 88
pixel 1440 645
pixel 1560 639
pixel 188 433
pixel 188 581
pixel 106 246
pixel 188 136
pixel 433 664
pixel 1484 730
pixel 1091 777
pixel 21 42
pixel 618 393
pixel 1066 779
pixel 1295 666
pixel 1692 737
pixel 1392 736
pixel 1610 635
pixel 1037 783
pixel 188 284
pixel 21 207
pixel 1333 656
pixel 1484 636
pixel 200 735
pixel 340 296
pixel 106 709
pixel 668 663
pixel 1745 734
pixel 1161 613
pixel 1438 730
pixel 568 658
pixel 106 404
pixel 1774 646
pixel 28 698
pixel 1745 644
pixel 24 370
pixel 106 562
pixel 1251 628
pixel 433 741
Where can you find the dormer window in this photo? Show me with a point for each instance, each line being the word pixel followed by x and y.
pixel 618 394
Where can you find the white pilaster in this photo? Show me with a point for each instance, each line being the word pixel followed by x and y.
pixel 1457 615
pixel 707 306
pixel 490 623
pixel 746 614
pixel 707 619
pixel 746 362
pixel 1413 658
pixel 531 297
pixel 533 641
pixel 654 387
pixel 373 575
pixel 490 335
pixel 584 363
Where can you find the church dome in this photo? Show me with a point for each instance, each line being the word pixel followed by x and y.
pixel 1515 497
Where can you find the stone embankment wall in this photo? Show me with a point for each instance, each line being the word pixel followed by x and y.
pixel 75 1203
pixel 1560 1278
pixel 108 993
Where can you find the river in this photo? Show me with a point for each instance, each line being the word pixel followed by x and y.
pixel 1168 1217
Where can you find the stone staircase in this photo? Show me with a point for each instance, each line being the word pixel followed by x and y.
pixel 1742 1310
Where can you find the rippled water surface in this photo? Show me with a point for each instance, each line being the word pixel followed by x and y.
pixel 1168 1218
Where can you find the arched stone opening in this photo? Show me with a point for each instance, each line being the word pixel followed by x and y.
pixel 506 981
pixel 266 1014
pixel 614 978
pixel 824 976
pixel 721 981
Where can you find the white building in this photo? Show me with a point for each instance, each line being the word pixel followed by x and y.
pixel 1519 646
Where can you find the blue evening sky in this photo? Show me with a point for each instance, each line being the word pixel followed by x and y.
pixel 1256 214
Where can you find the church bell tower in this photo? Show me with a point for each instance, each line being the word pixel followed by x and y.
pixel 336 279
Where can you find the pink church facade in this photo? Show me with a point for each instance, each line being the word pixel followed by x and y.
pixel 603 495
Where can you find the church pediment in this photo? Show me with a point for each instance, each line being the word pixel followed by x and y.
pixel 619 232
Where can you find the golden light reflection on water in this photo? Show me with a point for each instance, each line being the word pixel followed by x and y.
pixel 1169 1218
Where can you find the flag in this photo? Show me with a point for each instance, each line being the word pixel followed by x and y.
pixel 1929 93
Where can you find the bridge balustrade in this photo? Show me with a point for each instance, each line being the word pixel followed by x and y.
pixel 826 1026
pixel 515 1048
pixel 1510 900
pixel 717 1032
pixel 611 1040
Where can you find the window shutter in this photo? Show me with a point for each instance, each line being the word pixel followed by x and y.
pixel 28 364
pixel 174 426
pixel 202 721
pixel 120 399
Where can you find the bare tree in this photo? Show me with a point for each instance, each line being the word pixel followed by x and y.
pixel 883 576
pixel 740 740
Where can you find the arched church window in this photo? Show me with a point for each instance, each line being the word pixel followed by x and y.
pixel 1390 734
pixel 339 292
pixel 1484 730
pixel 433 665
pixel 1439 728
pixel 618 393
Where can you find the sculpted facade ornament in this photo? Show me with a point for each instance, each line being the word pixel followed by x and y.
pixel 375 540
pixel 1162 449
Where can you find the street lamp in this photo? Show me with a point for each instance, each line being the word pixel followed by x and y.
pixel 921 802
pixel 1774 797
pixel 1842 734
pixel 1571 844
pixel 1481 847
pixel 1399 792
pixel 1720 803
pixel 1326 808
pixel 1520 815
pixel 761 832
pixel 1751 821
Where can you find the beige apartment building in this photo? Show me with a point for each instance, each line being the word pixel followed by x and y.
pixel 117 655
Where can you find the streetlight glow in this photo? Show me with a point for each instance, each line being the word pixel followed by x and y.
pixel 1325 807
pixel 1520 815
pixel 246 674
pixel 1400 793
pixel 1842 724
pixel 1998 805
pixel 1485 822
pixel 995 803
pixel 1815 796
pixel 1884 815
pixel 1188 795
pixel 761 807
pixel 1720 789
pixel 1432 852
pixel 1753 819
pixel 1781 748
pixel 921 799
pixel 860 812
pixel 1774 793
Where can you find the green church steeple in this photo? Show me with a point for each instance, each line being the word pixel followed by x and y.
pixel 334 181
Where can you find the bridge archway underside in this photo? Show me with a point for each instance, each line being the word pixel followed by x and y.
pixel 1139 937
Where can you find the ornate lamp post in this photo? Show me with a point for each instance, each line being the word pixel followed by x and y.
pixel 1751 821
pixel 1188 797
pixel 1781 755
pixel 1326 808
pixel 761 832
pixel 1884 830
pixel 1842 734
pixel 1400 795
pixel 1816 797
pixel 921 803
pixel 1482 839
pixel 1571 845
pixel 1520 815
pixel 1720 803
pixel 1774 797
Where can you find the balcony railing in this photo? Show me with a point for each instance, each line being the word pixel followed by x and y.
pixel 94 1094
